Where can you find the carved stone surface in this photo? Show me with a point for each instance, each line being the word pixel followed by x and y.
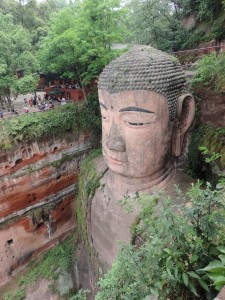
pixel 145 68
pixel 144 120
pixel 109 221
pixel 38 184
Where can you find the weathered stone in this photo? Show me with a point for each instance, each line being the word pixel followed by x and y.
pixel 145 116
pixel 65 283
pixel 143 127
pixel 38 185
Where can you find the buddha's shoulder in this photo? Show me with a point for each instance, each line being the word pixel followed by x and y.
pixel 181 180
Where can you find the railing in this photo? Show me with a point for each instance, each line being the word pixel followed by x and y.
pixel 192 55
pixel 219 48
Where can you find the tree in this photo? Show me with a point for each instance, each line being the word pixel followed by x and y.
pixel 17 62
pixel 202 9
pixel 80 40
pixel 32 15
pixel 156 23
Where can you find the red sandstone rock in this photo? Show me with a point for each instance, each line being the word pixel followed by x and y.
pixel 212 108
pixel 37 198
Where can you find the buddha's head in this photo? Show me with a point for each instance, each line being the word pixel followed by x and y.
pixel 144 112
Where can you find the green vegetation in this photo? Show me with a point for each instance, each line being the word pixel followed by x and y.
pixel 173 244
pixel 211 69
pixel 81 295
pixel 74 40
pixel 209 157
pixel 34 16
pixel 18 295
pixel 68 118
pixel 59 258
pixel 62 256
pixel 15 56
pixel 79 43
pixel 194 160
pixel 202 9
pixel 212 140
pixel 216 270
pixel 160 23
pixel 88 183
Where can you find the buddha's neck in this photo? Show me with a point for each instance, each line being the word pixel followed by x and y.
pixel 120 185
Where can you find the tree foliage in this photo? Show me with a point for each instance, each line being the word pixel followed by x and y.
pixel 160 22
pixel 170 245
pixel 202 9
pixel 33 16
pixel 15 57
pixel 80 40
pixel 156 23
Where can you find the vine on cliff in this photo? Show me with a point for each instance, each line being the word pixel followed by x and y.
pixel 211 138
pixel 88 183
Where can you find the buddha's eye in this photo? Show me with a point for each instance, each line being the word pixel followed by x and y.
pixel 138 119
pixel 137 124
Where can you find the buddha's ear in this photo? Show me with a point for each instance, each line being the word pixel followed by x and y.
pixel 184 116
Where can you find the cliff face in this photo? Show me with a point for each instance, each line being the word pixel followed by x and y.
pixel 38 184
pixel 212 107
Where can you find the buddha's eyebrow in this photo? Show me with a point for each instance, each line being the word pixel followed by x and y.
pixel 132 108
pixel 101 104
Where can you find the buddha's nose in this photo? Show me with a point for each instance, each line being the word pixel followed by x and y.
pixel 115 139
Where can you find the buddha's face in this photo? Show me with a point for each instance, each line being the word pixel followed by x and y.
pixel 136 132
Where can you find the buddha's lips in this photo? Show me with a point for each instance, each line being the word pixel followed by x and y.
pixel 116 161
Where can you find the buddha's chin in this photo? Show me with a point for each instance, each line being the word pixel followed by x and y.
pixel 126 169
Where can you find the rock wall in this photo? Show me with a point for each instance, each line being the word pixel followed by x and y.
pixel 38 184
pixel 212 107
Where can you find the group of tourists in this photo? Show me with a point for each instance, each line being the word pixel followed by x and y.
pixel 33 101
pixel 42 104
pixel 36 101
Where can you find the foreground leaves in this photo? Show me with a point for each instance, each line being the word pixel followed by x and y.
pixel 174 243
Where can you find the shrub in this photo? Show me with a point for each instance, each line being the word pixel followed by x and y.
pixel 172 244
pixel 68 118
pixel 211 69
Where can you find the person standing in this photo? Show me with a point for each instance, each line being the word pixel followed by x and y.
pixel 31 101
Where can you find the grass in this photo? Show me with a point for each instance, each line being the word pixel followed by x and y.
pixel 60 258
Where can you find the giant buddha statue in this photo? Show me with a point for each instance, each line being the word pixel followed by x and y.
pixel 145 113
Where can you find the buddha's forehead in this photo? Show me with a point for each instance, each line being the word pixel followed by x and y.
pixel 145 68
pixel 135 98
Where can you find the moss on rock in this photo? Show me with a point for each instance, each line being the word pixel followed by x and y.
pixel 211 138
pixel 89 181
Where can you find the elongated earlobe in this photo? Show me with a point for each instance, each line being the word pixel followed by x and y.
pixel 184 116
